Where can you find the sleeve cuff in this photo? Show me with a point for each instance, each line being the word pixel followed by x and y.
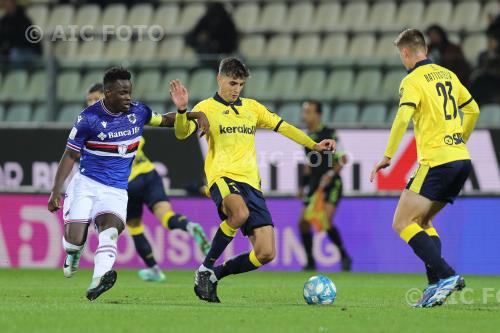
pixel 465 103
pixel 73 147
pixel 408 104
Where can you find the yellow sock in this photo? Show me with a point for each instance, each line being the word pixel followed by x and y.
pixel 167 216
pixel 134 231
pixel 431 231
pixel 410 231
pixel 227 230
pixel 254 260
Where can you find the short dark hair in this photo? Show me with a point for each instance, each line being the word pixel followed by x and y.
pixel 114 74
pixel 319 106
pixel 98 86
pixel 411 38
pixel 233 67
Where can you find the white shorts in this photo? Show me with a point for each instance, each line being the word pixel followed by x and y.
pixel 86 199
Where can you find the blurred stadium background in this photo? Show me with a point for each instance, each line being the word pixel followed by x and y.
pixel 337 52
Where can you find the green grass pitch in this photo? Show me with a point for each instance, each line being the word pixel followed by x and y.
pixel 44 301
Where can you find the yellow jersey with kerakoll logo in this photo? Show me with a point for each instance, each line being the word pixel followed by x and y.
pixel 231 139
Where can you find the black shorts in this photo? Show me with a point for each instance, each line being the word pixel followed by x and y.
pixel 259 214
pixel 146 188
pixel 442 182
pixel 333 192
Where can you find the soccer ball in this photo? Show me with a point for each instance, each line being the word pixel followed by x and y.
pixel 319 290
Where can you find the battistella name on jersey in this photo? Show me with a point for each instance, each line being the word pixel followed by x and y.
pixel 108 142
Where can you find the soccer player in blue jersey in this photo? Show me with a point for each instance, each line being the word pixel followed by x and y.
pixel 105 138
pixel 146 187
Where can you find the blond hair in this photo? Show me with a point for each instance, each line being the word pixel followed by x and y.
pixel 411 38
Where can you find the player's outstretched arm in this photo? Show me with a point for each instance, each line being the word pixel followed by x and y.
pixel 168 119
pixel 398 129
pixel 63 170
pixel 295 134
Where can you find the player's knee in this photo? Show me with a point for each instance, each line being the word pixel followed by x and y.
pixel 74 239
pixel 240 215
pixel 265 256
pixel 397 225
pixel 107 221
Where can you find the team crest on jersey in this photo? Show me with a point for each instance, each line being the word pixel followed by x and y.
pixel 104 124
pixel 122 150
pixel 79 119
pixel 102 136
pixel 131 117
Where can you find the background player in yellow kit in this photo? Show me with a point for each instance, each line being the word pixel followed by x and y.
pixel 431 95
pixel 232 171
pixel 146 187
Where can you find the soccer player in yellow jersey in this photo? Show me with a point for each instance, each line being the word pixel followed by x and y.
pixel 145 186
pixel 430 95
pixel 232 171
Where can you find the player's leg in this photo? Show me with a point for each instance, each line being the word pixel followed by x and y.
pixel 137 195
pixel 432 277
pixel 264 251
pixel 109 226
pixel 234 212
pixel 410 214
pixel 259 228
pixel 306 237
pixel 145 251
pixel 440 185
pixel 171 220
pixel 77 217
pixel 158 202
pixel 75 236
pixel 334 235
pixel 432 232
pixel 109 211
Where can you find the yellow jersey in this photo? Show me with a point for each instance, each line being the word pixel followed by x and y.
pixel 432 95
pixel 141 163
pixel 231 138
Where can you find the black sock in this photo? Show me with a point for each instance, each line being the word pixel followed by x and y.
pixel 236 265
pixel 307 241
pixel 176 221
pixel 144 249
pixel 431 276
pixel 219 243
pixel 425 249
pixel 334 235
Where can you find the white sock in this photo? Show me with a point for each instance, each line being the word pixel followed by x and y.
pixel 71 248
pixel 105 255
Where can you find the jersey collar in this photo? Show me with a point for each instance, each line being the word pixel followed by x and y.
pixel 109 112
pixel 420 63
pixel 221 100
